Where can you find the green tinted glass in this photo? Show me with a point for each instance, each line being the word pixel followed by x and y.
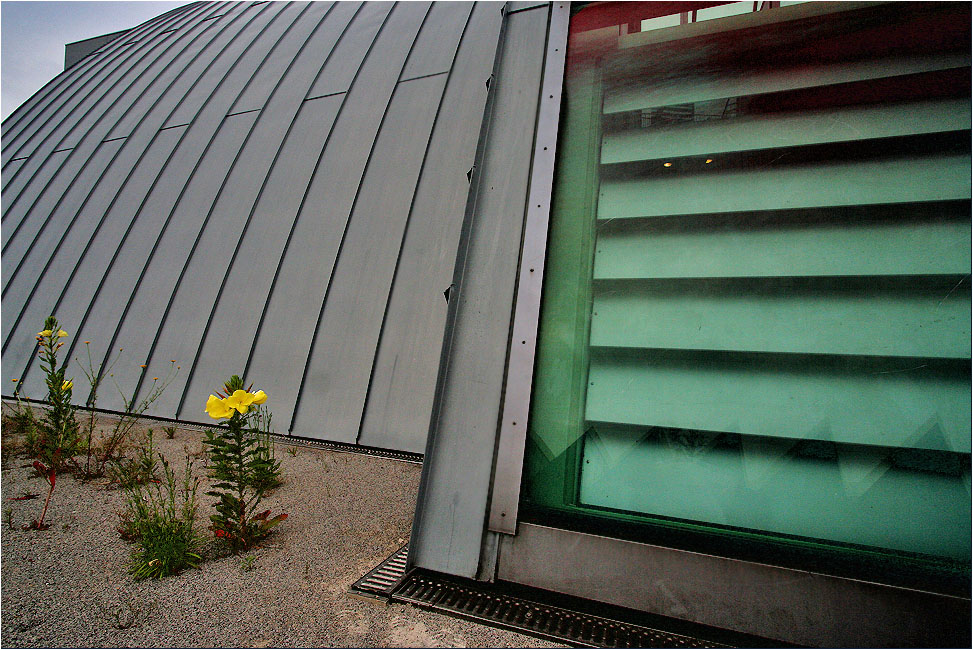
pixel 756 311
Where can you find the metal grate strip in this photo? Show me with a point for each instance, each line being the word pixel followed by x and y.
pixel 380 581
pixel 535 618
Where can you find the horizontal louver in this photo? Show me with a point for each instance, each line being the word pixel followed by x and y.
pixel 781 297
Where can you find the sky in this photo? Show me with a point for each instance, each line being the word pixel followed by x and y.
pixel 33 35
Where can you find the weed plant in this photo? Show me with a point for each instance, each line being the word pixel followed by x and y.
pixel 162 521
pixel 267 473
pixel 21 424
pixel 105 455
pixel 241 466
pixel 58 437
pixel 129 472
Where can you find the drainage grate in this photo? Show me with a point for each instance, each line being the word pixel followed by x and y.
pixel 534 618
pixel 380 581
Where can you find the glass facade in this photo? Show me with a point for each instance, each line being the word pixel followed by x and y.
pixel 756 312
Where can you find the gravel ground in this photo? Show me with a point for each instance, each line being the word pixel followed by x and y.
pixel 68 586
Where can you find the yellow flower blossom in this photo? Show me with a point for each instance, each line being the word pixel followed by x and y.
pixel 240 400
pixel 259 397
pixel 61 334
pixel 44 333
pixel 67 385
pixel 217 408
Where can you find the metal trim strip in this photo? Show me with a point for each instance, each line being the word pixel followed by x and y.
pixel 520 367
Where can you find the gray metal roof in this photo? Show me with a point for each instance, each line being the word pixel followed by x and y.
pixel 269 189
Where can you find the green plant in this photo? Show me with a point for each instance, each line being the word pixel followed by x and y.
pixel 21 425
pixel 105 455
pixel 239 465
pixel 292 451
pixel 162 520
pixel 127 472
pixel 59 438
pixel 8 517
pixel 247 564
pixel 267 473
pixel 170 432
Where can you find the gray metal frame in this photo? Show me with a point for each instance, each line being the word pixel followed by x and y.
pixel 523 342
pixel 786 604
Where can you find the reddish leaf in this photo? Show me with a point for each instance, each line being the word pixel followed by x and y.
pixel 26 497
pixel 263 515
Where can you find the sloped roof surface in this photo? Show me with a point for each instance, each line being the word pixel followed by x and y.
pixel 268 189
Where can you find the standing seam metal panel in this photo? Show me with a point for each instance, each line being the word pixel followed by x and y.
pixel 73 294
pixel 121 82
pixel 25 114
pixel 173 93
pixel 400 392
pixel 223 172
pixel 107 307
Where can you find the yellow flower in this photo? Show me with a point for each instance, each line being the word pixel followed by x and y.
pixel 61 334
pixel 217 408
pixel 68 385
pixel 240 400
pixel 259 397
pixel 44 333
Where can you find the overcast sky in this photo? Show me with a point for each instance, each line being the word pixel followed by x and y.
pixel 34 34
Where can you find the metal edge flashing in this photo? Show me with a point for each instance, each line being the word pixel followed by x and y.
pixel 745 597
pixel 452 296
pixel 508 465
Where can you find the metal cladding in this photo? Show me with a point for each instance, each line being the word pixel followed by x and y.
pixel 268 189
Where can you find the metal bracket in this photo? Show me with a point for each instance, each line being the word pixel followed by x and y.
pixel 520 366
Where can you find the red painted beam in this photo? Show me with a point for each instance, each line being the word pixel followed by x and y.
pixel 607 14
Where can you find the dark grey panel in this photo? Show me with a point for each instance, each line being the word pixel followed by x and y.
pixel 263 165
pixel 45 245
pixel 400 395
pixel 266 81
pixel 338 374
pixel 170 186
pixel 133 150
pixel 47 283
pixel 197 57
pixel 351 51
pixel 12 230
pixel 281 349
pixel 452 511
pixel 354 147
pixel 437 41
pixel 303 276
pixel 74 52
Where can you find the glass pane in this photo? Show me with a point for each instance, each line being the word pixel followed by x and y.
pixel 756 313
